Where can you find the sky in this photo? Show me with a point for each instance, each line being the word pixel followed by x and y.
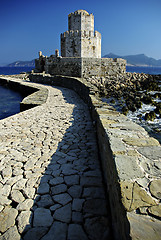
pixel 127 27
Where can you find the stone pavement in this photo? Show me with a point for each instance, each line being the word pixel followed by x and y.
pixel 51 185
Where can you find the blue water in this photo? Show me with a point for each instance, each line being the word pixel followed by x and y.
pixel 148 70
pixel 9 102
pixel 14 70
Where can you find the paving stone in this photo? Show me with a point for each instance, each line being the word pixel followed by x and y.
pixel 75 231
pixel 24 221
pixel 71 180
pixel 63 214
pixel 63 198
pixel 7 172
pixel 56 181
pixel 17 196
pixel 77 204
pixel 77 217
pixel 26 205
pixel 45 201
pixel 58 230
pixel 95 206
pixel 61 188
pixel 54 207
pixel 75 191
pixel 5 190
pixel 20 184
pixel 43 188
pixel 29 192
pixel 11 234
pixel 35 233
pixel 7 218
pixel 94 192
pixel 4 200
pixel 90 181
pixel 42 218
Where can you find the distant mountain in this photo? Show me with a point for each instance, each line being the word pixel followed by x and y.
pixel 137 60
pixel 22 64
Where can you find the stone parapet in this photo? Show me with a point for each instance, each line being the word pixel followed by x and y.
pixel 130 163
pixel 81 67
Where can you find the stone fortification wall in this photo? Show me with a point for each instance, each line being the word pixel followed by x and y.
pixel 81 44
pixel 130 162
pixel 81 67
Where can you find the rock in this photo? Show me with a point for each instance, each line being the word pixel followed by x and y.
pixel 144 228
pixel 35 233
pixel 43 188
pixel 133 196
pixel 75 191
pixel 29 192
pixel 17 196
pixel 155 188
pixel 97 228
pixel 7 218
pixel 71 180
pixel 123 163
pixel 63 198
pixel 42 218
pixel 75 231
pixel 45 201
pixel 5 190
pixel 151 152
pixel 56 181
pixel 20 184
pixel 7 172
pixel 58 230
pixel 155 210
pixel 4 200
pixel 11 234
pixel 24 221
pixel 61 188
pixel 77 204
pixel 63 214
pixel 26 205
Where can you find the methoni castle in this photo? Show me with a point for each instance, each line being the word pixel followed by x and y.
pixel 80 51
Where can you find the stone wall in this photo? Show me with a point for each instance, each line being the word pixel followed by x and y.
pixel 81 67
pixel 80 40
pixel 130 163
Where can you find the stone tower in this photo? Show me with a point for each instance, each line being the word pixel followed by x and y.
pixel 81 40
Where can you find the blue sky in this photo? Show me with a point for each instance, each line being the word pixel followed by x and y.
pixel 127 27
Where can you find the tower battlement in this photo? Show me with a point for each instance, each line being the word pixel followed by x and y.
pixel 81 40
pixel 83 33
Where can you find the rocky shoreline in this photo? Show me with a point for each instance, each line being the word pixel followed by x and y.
pixel 136 95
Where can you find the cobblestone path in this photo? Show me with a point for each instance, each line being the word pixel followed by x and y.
pixel 51 185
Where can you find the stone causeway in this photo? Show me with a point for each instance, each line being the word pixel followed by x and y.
pixel 72 167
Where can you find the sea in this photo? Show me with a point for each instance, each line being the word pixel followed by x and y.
pixel 9 99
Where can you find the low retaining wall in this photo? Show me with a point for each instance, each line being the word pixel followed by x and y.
pixel 130 163
pixel 33 96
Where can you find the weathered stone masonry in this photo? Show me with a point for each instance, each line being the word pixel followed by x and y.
pixel 130 163
pixel 80 51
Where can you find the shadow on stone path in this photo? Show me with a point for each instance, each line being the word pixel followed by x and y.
pixel 61 192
